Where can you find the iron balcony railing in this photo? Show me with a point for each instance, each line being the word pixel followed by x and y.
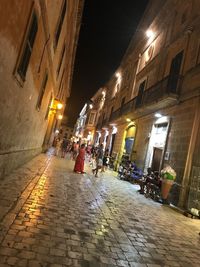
pixel 128 107
pixel 115 115
pixel 168 86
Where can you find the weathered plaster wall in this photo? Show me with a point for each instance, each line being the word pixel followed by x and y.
pixel 22 125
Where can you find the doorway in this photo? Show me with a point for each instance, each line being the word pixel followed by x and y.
pixel 157 156
pixel 156 147
pixel 174 73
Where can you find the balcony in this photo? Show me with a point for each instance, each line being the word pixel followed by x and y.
pixel 163 94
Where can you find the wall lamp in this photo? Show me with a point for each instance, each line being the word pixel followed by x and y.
pixel 59 106
pixel 60 117
pixel 149 34
pixel 158 115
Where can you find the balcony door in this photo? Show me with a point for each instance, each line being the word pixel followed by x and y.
pixel 140 94
pixel 174 73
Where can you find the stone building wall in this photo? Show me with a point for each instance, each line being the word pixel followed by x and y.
pixel 23 126
pixel 181 122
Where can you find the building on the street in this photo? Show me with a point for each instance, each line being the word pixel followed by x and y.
pixel 86 124
pixel 38 41
pixel 152 105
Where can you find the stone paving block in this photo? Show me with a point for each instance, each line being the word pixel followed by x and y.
pixel 8 251
pixel 123 263
pixel 72 220
pixel 135 264
pixel 25 254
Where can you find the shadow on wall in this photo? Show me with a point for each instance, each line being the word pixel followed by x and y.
pixel 10 161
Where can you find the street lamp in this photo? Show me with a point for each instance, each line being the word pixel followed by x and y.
pixel 158 115
pixel 60 117
pixel 59 106
pixel 149 33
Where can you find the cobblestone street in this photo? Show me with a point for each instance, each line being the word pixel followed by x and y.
pixel 66 219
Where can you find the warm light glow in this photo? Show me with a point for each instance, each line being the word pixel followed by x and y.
pixel 56 131
pixel 128 120
pixel 114 130
pixel 149 33
pixel 158 115
pixel 60 117
pixel 90 106
pixel 59 106
pixel 118 75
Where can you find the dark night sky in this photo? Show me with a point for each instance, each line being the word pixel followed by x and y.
pixel 107 28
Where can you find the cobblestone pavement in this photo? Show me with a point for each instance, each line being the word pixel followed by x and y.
pixel 68 219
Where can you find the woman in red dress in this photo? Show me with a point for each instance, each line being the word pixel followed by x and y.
pixel 79 164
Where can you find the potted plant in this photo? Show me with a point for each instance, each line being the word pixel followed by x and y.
pixel 168 176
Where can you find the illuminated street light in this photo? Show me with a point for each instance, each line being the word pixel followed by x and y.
pixel 59 106
pixel 118 75
pixel 128 120
pixel 149 33
pixel 60 117
pixel 158 115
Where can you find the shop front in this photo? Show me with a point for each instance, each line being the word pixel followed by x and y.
pixel 157 143
pixel 126 143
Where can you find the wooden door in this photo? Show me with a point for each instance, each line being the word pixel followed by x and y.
pixel 157 156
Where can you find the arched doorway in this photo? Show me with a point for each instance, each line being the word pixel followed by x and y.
pixel 129 139
pixel 127 143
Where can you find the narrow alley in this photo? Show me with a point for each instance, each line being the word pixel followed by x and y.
pixel 67 219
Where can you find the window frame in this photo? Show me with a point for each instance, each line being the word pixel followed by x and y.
pixel 60 60
pixel 42 90
pixel 60 22
pixel 27 45
pixel 48 107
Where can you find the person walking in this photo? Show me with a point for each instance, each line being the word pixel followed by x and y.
pixel 99 159
pixel 79 164
pixel 75 150
pixel 64 146
pixel 105 160
pixel 58 146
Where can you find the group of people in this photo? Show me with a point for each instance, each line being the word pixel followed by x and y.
pixel 64 146
pixel 97 158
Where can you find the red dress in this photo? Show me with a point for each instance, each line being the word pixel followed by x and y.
pixel 79 164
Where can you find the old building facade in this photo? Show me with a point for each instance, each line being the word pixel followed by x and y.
pixel 37 50
pixel 152 104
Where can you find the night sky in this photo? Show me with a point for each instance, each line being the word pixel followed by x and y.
pixel 106 30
